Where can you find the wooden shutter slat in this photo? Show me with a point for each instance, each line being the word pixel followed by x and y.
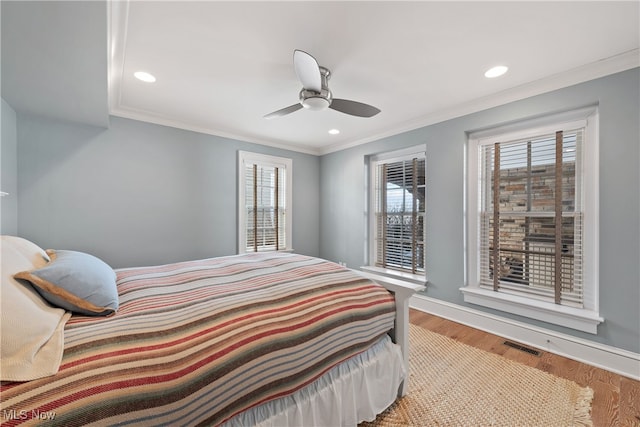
pixel 558 219
pixel 255 208
pixel 496 217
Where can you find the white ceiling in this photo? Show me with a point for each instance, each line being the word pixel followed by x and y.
pixel 221 66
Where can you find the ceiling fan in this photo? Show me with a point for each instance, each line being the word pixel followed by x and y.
pixel 315 94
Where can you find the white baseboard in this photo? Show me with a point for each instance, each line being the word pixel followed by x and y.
pixel 619 361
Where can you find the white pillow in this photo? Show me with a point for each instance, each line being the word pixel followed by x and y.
pixel 32 331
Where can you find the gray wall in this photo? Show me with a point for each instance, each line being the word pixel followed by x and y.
pixel 141 194
pixel 343 219
pixel 138 193
pixel 8 172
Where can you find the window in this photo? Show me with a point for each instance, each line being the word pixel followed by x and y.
pixel 398 211
pixel 531 224
pixel 264 203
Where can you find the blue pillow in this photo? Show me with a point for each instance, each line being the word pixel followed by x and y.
pixel 76 281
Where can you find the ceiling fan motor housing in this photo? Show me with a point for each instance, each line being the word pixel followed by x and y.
pixel 315 101
pixel 312 100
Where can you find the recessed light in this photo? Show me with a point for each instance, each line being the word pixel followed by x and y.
pixel 144 76
pixel 496 71
pixel 334 131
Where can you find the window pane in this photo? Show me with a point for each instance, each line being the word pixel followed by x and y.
pixel 528 239
pixel 262 225
pixel 400 201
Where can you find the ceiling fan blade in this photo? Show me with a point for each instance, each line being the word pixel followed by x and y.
pixel 307 70
pixel 284 111
pixel 354 108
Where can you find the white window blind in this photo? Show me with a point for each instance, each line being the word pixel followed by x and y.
pixel 399 214
pixel 532 230
pixel 264 203
pixel 531 217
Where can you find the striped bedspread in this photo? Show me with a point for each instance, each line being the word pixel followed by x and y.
pixel 195 343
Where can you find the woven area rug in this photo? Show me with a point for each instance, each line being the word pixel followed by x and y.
pixel 454 384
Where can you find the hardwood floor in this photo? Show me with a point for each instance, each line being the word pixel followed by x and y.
pixel 616 399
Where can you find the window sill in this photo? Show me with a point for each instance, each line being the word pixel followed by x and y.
pixel 261 250
pixel 575 318
pixel 416 279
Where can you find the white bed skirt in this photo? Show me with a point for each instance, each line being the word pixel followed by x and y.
pixel 354 391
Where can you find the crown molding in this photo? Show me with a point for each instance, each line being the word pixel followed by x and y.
pixel 615 64
pixel 118 22
pixel 119 12
pixel 144 116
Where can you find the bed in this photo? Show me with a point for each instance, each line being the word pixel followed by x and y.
pixel 264 339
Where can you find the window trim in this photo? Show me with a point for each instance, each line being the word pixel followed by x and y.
pixel 247 157
pixel 388 157
pixel 584 319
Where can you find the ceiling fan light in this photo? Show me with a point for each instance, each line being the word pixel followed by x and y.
pixel 315 103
